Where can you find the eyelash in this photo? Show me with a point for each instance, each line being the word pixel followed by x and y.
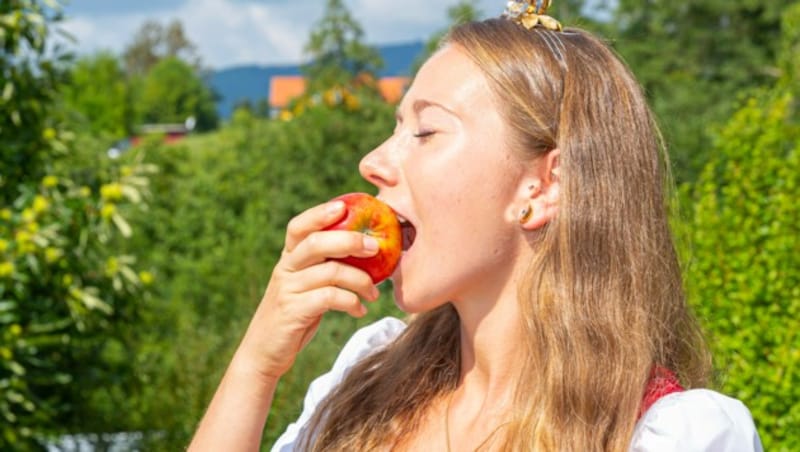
pixel 422 135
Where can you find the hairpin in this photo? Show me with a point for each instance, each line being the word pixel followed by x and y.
pixel 531 14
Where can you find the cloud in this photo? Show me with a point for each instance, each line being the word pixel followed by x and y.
pixel 239 32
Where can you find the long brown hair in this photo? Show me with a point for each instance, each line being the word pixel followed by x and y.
pixel 603 302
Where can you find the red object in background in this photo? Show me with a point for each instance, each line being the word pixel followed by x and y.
pixel 662 382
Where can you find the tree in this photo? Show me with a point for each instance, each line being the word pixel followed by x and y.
pixel 462 12
pixel 336 50
pixel 29 75
pixel 172 91
pixel 99 91
pixel 694 60
pixel 154 42
pixel 743 273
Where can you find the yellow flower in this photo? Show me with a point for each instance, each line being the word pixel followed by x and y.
pixel 112 266
pixel 3 245
pixel 40 204
pixel 28 215
pixel 50 181
pixel 49 133
pixel 85 191
pixel 66 280
pixel 107 211
pixel 22 237
pixel 6 269
pixel 351 102
pixel 15 330
pixel 146 277
pixel 125 171
pixel 286 115
pixel 111 192
pixel 33 227
pixel 5 214
pixel 52 254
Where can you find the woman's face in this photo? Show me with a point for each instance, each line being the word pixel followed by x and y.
pixel 447 170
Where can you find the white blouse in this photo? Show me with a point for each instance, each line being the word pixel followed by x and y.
pixel 687 421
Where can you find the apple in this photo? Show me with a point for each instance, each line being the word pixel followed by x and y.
pixel 371 216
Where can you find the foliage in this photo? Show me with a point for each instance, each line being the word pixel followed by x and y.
pixel 694 59
pixel 336 49
pixel 462 12
pixel 744 272
pixel 99 92
pixel 29 74
pixel 172 91
pixel 214 230
pixel 64 285
pixel 153 42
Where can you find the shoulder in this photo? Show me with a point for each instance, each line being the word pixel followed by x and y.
pixel 696 420
pixel 362 343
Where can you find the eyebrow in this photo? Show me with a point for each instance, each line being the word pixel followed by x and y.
pixel 421 104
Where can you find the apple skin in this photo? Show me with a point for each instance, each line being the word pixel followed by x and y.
pixel 371 216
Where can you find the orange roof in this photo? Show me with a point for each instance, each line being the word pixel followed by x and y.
pixel 393 88
pixel 284 88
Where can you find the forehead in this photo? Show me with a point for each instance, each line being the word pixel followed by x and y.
pixel 450 78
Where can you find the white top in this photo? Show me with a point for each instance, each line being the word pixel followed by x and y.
pixel 687 421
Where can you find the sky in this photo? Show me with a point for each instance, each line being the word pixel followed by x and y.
pixel 242 32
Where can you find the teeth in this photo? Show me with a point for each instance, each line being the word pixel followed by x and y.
pixel 401 219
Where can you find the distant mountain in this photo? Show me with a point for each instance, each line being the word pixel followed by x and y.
pixel 236 84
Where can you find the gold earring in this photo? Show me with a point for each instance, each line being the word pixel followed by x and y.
pixel 526 214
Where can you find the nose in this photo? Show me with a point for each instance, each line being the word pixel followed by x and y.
pixel 378 168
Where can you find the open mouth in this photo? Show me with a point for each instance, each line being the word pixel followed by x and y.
pixel 409 232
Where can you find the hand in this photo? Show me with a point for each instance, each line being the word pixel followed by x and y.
pixel 305 284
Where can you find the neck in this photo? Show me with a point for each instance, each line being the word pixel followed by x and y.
pixel 490 341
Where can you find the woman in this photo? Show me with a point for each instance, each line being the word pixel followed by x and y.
pixel 542 280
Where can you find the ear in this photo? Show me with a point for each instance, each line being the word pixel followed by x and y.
pixel 540 191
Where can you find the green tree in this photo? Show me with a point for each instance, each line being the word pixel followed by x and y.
pixel 97 89
pixel 336 49
pixel 64 286
pixel 462 12
pixel 153 42
pixel 29 76
pixel 743 272
pixel 695 59
pixel 172 91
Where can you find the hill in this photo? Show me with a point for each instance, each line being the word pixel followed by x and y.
pixel 251 82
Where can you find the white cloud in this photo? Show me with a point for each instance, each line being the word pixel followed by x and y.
pixel 237 32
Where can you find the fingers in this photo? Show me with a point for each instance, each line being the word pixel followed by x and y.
pixel 323 245
pixel 338 275
pixel 330 298
pixel 313 219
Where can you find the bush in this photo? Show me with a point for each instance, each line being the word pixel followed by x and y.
pixel 744 267
pixel 216 225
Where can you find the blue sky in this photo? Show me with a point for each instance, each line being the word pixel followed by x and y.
pixel 238 32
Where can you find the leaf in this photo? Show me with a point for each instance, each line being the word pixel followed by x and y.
pixel 122 225
pixel 93 302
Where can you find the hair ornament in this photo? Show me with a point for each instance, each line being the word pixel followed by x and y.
pixel 530 14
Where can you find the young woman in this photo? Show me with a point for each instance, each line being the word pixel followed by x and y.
pixel 546 302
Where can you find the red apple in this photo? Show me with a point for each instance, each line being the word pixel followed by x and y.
pixel 369 215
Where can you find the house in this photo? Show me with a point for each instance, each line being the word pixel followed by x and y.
pixel 284 88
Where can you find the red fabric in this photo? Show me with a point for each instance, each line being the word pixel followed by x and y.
pixel 662 382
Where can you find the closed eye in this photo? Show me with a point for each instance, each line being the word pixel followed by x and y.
pixel 424 134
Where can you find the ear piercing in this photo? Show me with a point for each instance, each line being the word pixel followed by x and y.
pixel 525 214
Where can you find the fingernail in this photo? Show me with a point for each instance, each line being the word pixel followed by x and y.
pixel 334 207
pixel 370 244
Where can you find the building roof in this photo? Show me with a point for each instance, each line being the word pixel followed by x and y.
pixel 393 88
pixel 284 88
